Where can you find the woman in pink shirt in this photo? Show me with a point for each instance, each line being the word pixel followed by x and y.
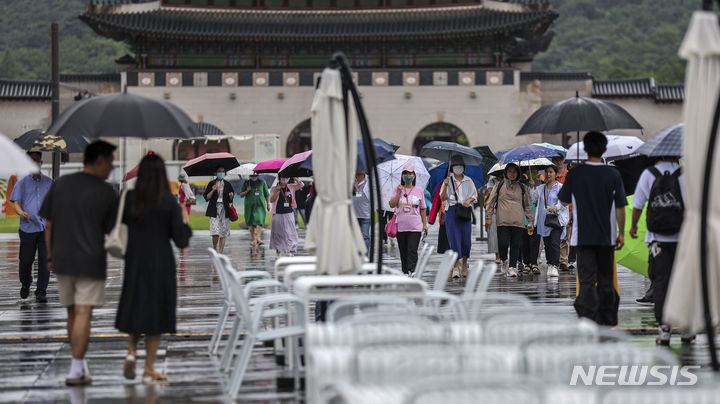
pixel 409 205
pixel 283 236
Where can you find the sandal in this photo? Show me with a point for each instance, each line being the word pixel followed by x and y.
pixel 535 269
pixel 526 269
pixel 129 367
pixel 153 376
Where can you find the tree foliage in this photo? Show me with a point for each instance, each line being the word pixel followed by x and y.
pixel 619 38
pixel 25 40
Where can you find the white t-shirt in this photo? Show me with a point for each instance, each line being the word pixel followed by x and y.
pixel 642 194
pixel 465 189
pixel 220 187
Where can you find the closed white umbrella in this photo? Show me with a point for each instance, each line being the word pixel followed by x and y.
pixel 333 232
pixel 391 171
pixel 14 160
pixel 618 146
pixel 684 305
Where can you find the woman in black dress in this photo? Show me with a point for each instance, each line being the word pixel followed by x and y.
pixel 149 291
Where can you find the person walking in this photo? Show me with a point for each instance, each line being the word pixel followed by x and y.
pixel 219 194
pixel 301 197
pixel 458 190
pixel 663 188
pixel 598 197
pixel 530 249
pixel 437 215
pixel 409 204
pixel 27 197
pixel 566 264
pixel 510 200
pixel 185 194
pixel 256 194
pixel 79 209
pixel 551 219
pixel 149 293
pixel 361 204
pixel 283 235
pixel 492 240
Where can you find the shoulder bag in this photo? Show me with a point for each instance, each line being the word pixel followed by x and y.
pixel 462 212
pixel 552 220
pixel 391 228
pixel 116 242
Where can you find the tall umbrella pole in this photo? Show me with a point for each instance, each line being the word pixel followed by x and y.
pixel 340 61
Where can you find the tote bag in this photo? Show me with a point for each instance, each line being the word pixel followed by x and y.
pixel 391 228
pixel 116 242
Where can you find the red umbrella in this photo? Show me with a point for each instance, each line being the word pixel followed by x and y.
pixel 206 164
pixel 132 173
pixel 270 166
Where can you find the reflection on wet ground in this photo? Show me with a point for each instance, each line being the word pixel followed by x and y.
pixel 36 355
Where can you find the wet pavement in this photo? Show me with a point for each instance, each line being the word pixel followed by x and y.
pixel 36 354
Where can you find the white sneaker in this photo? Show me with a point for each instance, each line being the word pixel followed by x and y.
pixel 503 267
pixel 552 271
pixel 512 273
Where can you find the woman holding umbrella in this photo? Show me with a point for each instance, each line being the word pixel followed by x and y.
pixel 283 236
pixel 458 189
pixel 411 219
pixel 551 218
pixel 255 192
pixel 219 194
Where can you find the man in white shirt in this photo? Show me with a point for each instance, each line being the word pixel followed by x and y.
pixel 662 246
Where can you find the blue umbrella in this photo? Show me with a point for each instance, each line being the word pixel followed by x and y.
pixel 667 142
pixel 561 149
pixel 443 151
pixel 384 151
pixel 438 174
pixel 523 153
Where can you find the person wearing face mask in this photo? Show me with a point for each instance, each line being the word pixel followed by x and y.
pixel 409 203
pixel 255 192
pixel 283 235
pixel 185 193
pixel 511 200
pixel 361 204
pixel 458 189
pixel 219 195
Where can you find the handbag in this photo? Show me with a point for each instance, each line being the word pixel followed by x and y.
pixel 116 242
pixel 462 212
pixel 232 213
pixel 391 228
pixel 552 220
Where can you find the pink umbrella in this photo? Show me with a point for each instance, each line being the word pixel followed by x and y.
pixel 132 173
pixel 270 166
pixel 292 168
pixel 206 164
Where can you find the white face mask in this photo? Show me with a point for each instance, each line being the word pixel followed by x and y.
pixel 284 180
pixel 458 170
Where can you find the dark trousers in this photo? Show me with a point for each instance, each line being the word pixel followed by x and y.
pixel 659 270
pixel 597 299
pixel 509 236
pixel 29 244
pixel 530 248
pixel 408 242
pixel 552 247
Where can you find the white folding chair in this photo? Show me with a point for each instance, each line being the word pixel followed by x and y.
pixel 423 259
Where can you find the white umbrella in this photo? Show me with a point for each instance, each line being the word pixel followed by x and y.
pixel 333 232
pixel 244 170
pixel 391 171
pixel 618 146
pixel 683 306
pixel 14 160
pixel 541 162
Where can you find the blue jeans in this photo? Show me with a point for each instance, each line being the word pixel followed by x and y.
pixel 365 230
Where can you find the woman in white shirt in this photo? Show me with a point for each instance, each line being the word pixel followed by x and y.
pixel 458 189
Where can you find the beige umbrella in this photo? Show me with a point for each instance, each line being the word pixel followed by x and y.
pixel 684 303
pixel 333 232
pixel 14 160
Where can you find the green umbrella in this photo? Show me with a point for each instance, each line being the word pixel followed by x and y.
pixel 488 159
pixel 634 255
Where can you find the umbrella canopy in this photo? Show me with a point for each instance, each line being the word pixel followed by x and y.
pixel 557 148
pixel 243 170
pixel 617 147
pixel 578 114
pixel 525 153
pixel 444 151
pixel 132 173
pixel 630 170
pixel 292 167
pixel 438 174
pixel 537 164
pixel 684 306
pixel 634 254
pixel 333 232
pixel 489 158
pixel 391 171
pixel 39 140
pixel 667 142
pixel 14 160
pixel 207 163
pixel 384 151
pixel 269 166
pixel 124 115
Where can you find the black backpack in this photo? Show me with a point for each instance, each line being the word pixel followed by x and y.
pixel 665 209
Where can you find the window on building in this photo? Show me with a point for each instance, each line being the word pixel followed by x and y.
pixel 299 139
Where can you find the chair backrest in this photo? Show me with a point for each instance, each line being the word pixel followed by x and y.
pixel 218 265
pixel 242 306
pixel 444 269
pixel 341 309
pixel 473 279
pixel 494 388
pixel 423 259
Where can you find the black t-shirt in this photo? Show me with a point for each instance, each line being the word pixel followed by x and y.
pixel 595 190
pixel 81 209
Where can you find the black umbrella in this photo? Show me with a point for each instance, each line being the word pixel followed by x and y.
pixel 630 170
pixel 488 157
pixel 578 114
pixel 124 115
pixel 443 151
pixel 39 140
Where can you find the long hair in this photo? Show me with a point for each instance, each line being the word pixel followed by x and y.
pixel 152 184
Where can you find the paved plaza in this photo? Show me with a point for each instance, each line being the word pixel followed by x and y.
pixel 36 355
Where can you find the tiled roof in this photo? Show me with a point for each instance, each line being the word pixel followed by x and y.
pixel 24 89
pixel 313 25
pixel 556 76
pixel 641 87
